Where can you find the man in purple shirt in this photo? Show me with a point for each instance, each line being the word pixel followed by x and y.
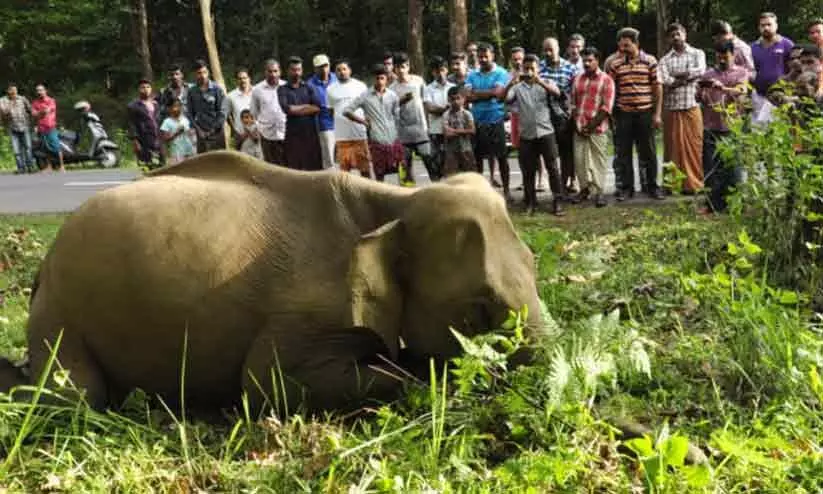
pixel 770 53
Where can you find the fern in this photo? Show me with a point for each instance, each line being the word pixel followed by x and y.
pixel 595 355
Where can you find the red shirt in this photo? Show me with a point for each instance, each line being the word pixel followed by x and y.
pixel 49 121
pixel 590 94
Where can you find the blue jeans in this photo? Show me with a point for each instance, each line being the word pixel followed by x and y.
pixel 21 145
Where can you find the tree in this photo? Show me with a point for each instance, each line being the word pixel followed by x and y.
pixel 140 23
pixel 458 25
pixel 415 36
pixel 662 21
pixel 496 33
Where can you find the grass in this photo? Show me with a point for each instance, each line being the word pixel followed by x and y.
pixel 647 325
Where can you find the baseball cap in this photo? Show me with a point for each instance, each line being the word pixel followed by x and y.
pixel 320 60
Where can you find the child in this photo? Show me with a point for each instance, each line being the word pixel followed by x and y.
pixel 250 140
pixel 458 129
pixel 178 134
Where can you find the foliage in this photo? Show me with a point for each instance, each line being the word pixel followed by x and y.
pixel 643 323
pixel 780 203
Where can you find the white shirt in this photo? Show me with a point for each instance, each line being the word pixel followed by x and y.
pixel 265 106
pixel 339 96
pixel 236 102
pixel 437 94
pixel 411 125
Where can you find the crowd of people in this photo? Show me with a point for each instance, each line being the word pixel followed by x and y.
pixel 562 112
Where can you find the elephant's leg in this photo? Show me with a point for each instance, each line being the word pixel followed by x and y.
pixel 85 379
pixel 341 373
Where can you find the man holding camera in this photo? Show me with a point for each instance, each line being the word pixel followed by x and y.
pixel 537 139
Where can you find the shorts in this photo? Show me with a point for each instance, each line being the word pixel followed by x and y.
pixel 353 155
pixel 458 161
pixel 490 141
pixel 51 139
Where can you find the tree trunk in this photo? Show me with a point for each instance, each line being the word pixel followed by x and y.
pixel 415 37
pixel 140 35
pixel 211 47
pixel 141 21
pixel 662 21
pixel 496 34
pixel 458 25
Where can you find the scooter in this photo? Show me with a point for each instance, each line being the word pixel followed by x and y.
pixel 102 150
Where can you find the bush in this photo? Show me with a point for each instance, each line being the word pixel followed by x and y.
pixel 780 203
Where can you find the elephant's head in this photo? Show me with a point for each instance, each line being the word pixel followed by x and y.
pixel 452 259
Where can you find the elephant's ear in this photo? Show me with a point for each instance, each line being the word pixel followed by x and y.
pixel 376 293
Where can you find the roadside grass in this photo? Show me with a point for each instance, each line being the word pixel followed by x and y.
pixel 651 314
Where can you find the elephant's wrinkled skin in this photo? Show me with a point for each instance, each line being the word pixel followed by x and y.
pixel 240 258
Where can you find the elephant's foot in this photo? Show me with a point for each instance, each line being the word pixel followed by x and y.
pixel 11 375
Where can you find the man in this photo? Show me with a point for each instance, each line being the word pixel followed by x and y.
pixel 301 105
pixel 815 31
pixel 561 72
pixel 44 111
pixel 640 101
pixel 771 54
pixel 459 69
pixel 352 148
pixel 803 59
pixel 472 52
pixel 486 91
pixel 516 58
pixel 810 58
pixel 388 64
pixel 592 100
pixel 720 86
pixel 537 134
pixel 207 110
pixel 381 108
pixel 239 99
pixel 144 131
pixel 320 81
pixel 412 129
pixel 177 89
pixel 15 114
pixel 271 120
pixel 436 102
pixel 573 51
pixel 680 69
pixel 722 31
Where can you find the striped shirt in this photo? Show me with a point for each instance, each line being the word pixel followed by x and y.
pixel 561 75
pixel 636 80
pixel 590 94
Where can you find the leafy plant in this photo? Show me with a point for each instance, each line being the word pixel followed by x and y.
pixel 660 458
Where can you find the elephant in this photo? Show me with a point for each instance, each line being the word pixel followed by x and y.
pixel 223 276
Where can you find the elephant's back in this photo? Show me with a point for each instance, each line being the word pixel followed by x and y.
pixel 141 267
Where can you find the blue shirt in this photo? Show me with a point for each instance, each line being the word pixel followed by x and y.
pixel 488 111
pixel 561 75
pixel 325 119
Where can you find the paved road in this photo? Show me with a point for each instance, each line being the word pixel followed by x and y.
pixel 63 192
